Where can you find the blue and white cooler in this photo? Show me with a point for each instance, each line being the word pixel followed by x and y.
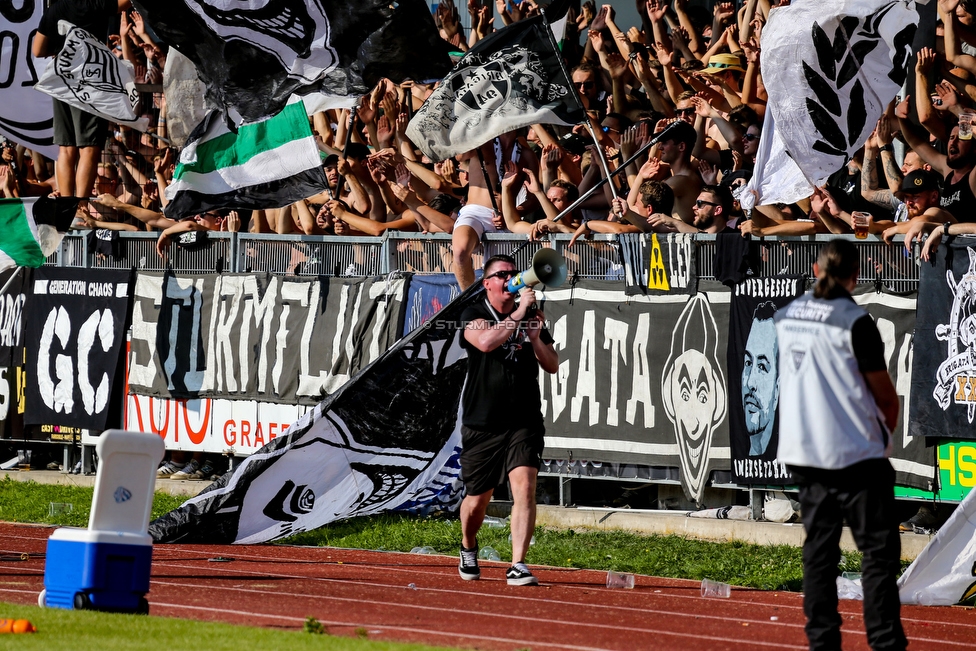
pixel 107 565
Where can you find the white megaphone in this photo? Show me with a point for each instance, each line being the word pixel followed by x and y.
pixel 548 268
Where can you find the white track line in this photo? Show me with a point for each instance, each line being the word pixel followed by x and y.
pixel 425 631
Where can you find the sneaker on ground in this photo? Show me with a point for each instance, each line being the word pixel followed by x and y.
pixel 167 469
pixel 519 574
pixel 187 470
pixel 206 471
pixel 924 520
pixel 468 567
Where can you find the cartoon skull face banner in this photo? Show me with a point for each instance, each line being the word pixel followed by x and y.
pixel 694 392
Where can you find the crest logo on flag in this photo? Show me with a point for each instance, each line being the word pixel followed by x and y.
pixel 956 377
pixel 486 86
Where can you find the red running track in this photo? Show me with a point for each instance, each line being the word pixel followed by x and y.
pixel 413 598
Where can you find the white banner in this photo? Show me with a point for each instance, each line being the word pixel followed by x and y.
pixel 26 116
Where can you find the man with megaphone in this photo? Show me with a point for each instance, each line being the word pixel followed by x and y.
pixel 502 431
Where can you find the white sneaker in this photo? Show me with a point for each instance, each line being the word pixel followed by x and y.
pixel 167 470
pixel 187 470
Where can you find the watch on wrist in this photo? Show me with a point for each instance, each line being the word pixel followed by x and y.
pixel 945 229
pixel 887 147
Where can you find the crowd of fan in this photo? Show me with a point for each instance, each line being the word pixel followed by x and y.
pixel 680 64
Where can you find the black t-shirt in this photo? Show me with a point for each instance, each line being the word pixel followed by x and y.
pixel 502 388
pixel 93 16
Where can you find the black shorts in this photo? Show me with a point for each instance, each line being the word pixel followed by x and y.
pixel 76 128
pixel 488 457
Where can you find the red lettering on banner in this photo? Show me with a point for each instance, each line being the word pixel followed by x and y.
pixel 271 431
pixel 231 437
pixel 196 436
pixel 258 437
pixel 162 431
pixel 246 433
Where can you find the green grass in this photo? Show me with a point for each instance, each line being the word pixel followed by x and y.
pixel 80 630
pixel 30 502
pixel 758 566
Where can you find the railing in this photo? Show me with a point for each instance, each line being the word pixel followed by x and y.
pixel 888 265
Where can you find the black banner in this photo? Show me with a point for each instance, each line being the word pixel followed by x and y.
pixel 12 314
pixel 261 337
pixel 943 385
pixel 659 264
pixel 915 464
pixel 641 379
pixel 753 360
pixel 75 329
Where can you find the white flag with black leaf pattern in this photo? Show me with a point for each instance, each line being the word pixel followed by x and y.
pixel 830 69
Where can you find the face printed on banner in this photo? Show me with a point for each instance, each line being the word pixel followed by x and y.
pixel 760 382
pixel 694 391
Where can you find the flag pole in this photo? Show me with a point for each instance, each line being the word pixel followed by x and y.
pixel 488 183
pixel 579 104
pixel 10 280
pixel 640 152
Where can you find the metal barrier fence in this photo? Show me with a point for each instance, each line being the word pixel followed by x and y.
pixel 600 258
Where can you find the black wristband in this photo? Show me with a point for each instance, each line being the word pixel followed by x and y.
pixel 945 229
pixel 887 148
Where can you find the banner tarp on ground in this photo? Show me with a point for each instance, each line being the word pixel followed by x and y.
pixel 388 439
pixel 260 337
pixel 75 330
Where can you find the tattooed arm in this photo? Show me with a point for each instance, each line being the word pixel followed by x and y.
pixel 869 178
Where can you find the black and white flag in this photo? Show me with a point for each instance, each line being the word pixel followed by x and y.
pixel 388 439
pixel 253 55
pixel 509 80
pixel 830 68
pixel 86 75
pixel 75 330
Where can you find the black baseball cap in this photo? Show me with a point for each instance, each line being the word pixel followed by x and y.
pixel 919 181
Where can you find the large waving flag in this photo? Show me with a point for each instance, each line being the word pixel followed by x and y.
pixel 267 164
pixel 86 75
pixel 512 79
pixel 254 54
pixel 830 68
pixel 33 229
pixel 389 439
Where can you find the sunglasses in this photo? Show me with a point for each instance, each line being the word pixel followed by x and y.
pixel 750 137
pixel 583 84
pixel 700 202
pixel 504 274
pixel 684 111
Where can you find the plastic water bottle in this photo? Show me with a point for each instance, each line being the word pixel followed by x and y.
pixel 494 523
pixel 423 550
pixel 489 554
pixel 16 626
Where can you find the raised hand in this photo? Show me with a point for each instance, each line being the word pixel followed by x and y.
pixel 709 172
pixel 531 181
pixel 511 174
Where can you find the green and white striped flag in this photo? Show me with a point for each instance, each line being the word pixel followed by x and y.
pixel 268 164
pixel 32 229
